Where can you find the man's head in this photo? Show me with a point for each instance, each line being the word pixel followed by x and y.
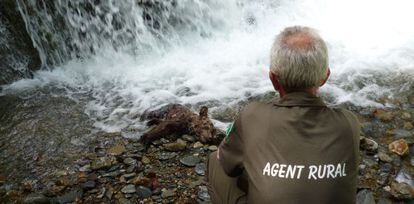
pixel 299 60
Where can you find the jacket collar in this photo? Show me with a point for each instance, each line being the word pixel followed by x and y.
pixel 300 99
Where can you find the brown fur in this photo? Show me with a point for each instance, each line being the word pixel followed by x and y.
pixel 178 119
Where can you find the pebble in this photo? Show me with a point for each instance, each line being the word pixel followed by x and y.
pixel 145 160
pixel 368 144
pixel 117 150
pixel 384 116
pixel 144 192
pixel 166 156
pixel 400 133
pixel 406 116
pixel 212 148
pixel 129 189
pixel 190 161
pixel 188 138
pixel 102 163
pixel 408 126
pixel 200 169
pixel 203 194
pixel 365 197
pixel 167 193
pixel 399 147
pixel 70 196
pixel 179 145
pixel 129 176
pixel 89 185
pixel 198 145
pixel 384 157
pixel 36 198
pixel 86 168
pixel 130 161
pixel 402 191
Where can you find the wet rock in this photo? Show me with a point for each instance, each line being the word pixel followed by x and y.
pixel 404 176
pixel 384 157
pixel 203 194
pixel 408 126
pixel 200 169
pixel 116 150
pixel 190 161
pixel 368 144
pixel 163 156
pixel 167 193
pixel 86 168
pixel 145 160
pixel 36 198
pixel 101 193
pixel 402 191
pixel 365 197
pixel 212 148
pixel 70 196
pixel 384 116
pixel 400 133
pixel 384 201
pixel 197 145
pixel 129 189
pixel 399 147
pixel 89 185
pixel 188 138
pixel 406 116
pixel 129 176
pixel 103 163
pixel 179 145
pixel 130 161
pixel 144 192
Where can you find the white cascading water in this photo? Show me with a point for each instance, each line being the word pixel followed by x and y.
pixel 219 54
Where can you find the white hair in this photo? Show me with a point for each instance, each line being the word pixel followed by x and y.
pixel 299 57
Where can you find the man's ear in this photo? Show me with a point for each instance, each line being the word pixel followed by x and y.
pixel 328 73
pixel 275 80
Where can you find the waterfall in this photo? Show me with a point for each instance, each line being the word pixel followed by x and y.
pixel 121 58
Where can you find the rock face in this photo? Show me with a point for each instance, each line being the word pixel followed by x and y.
pixel 18 56
pixel 178 119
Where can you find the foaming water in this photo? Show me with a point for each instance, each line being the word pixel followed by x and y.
pixel 370 45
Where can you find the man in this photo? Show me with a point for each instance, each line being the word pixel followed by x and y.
pixel 296 150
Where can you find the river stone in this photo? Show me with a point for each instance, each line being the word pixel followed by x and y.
pixel 130 161
pixel 408 126
pixel 406 116
pixel 89 185
pixel 197 145
pixel 117 150
pixel 365 197
pixel 166 156
pixel 212 148
pixel 203 194
pixel 129 189
pixel 400 133
pixel 102 163
pixel 190 161
pixel 179 145
pixel 145 160
pixel 384 157
pixel 188 138
pixel 200 169
pixel 368 144
pixel 144 192
pixel 167 193
pixel 402 191
pixel 70 196
pixel 383 115
pixel 36 198
pixel 399 147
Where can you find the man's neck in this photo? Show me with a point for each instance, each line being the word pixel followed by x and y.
pixel 312 90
